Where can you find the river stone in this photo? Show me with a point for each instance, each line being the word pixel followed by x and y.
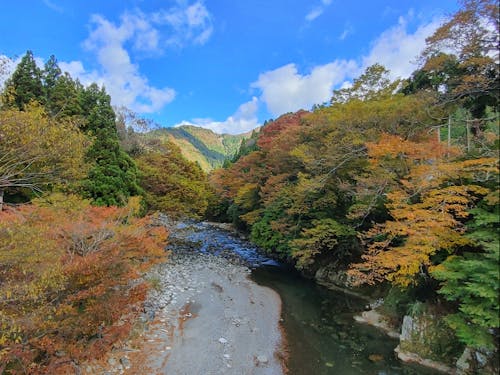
pixel 482 359
pixel 222 340
pixel 407 328
pixel 464 362
pixel 112 361
pixel 262 359
pixel 125 362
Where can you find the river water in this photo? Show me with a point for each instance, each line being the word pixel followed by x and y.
pixel 321 333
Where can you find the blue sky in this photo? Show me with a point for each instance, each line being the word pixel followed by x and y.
pixel 223 64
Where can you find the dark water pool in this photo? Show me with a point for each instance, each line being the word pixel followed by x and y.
pixel 323 337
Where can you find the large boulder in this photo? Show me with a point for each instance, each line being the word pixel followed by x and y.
pixel 426 339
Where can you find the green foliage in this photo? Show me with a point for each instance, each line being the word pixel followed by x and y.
pixel 201 145
pixel 50 76
pixel 374 83
pixel 269 239
pixel 174 185
pixel 247 146
pixel 38 152
pixel 472 280
pixel 25 84
pixel 270 231
pixel 63 99
pixel 326 237
pixel 113 176
pixel 471 76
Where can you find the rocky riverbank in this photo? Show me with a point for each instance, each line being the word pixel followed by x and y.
pixel 203 316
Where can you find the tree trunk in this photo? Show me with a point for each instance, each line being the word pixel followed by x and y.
pixel 1 199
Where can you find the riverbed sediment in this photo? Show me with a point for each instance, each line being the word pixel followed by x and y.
pixel 203 316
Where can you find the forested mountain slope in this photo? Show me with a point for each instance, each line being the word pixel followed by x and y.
pixel 201 145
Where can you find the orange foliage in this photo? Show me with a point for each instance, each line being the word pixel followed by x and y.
pixel 428 202
pixel 66 289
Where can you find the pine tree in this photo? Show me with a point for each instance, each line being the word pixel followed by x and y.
pixel 25 85
pixel 50 75
pixel 65 98
pixel 113 177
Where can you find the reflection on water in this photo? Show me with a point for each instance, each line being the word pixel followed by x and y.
pixel 323 337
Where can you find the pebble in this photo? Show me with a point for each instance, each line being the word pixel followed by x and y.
pixel 262 359
pixel 112 361
pixel 222 340
pixel 125 362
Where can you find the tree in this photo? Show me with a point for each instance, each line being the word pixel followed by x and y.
pixel 373 83
pixel 25 84
pixel 325 237
pixel 50 74
pixel 427 207
pixel 65 99
pixel 472 33
pixel 113 176
pixel 70 280
pixel 37 151
pixel 472 279
pixel 173 184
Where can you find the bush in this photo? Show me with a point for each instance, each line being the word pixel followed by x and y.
pixel 66 280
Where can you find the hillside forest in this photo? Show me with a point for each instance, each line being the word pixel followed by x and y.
pixel 391 189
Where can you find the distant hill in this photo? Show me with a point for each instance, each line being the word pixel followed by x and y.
pixel 202 145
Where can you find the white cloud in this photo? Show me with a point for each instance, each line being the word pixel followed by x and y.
pixel 286 90
pixel 114 44
pixel 317 10
pixel 121 77
pixel 348 30
pixel 53 6
pixel 188 23
pixel 397 49
pixel 314 13
pixel 244 120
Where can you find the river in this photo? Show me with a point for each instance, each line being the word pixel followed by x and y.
pixel 320 330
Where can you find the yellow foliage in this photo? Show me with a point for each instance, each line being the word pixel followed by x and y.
pixel 427 207
pixel 36 149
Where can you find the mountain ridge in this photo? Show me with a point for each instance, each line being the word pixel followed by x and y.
pixel 204 146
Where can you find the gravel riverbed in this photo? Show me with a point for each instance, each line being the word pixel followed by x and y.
pixel 204 314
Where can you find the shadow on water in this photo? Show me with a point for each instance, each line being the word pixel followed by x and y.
pixel 323 337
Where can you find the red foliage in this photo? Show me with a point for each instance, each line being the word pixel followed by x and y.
pixel 67 291
pixel 268 133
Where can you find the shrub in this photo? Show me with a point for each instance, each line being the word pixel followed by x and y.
pixel 67 288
